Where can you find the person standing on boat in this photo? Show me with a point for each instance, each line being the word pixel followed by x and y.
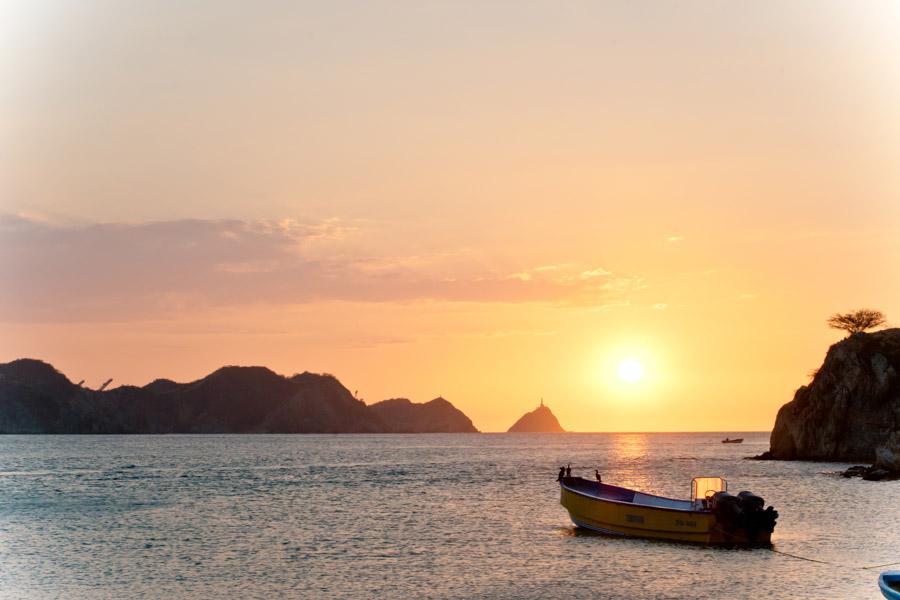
pixel 562 473
pixel 568 470
pixel 597 475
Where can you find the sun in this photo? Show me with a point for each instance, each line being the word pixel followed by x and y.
pixel 631 370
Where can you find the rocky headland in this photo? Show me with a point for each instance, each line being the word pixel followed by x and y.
pixel 437 416
pixel 540 420
pixel 36 398
pixel 850 411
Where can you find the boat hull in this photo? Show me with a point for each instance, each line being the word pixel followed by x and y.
pixel 632 520
pixel 891 592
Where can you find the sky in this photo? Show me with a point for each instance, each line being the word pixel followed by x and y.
pixel 495 202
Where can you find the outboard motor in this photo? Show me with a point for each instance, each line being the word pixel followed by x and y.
pixel 727 509
pixel 751 501
pixel 744 511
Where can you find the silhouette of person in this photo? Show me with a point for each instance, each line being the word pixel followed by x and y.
pixel 597 475
pixel 568 470
pixel 562 473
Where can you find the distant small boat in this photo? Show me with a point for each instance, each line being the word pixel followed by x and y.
pixel 889 582
pixel 734 441
pixel 711 516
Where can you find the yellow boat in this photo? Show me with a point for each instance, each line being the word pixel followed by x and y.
pixel 711 516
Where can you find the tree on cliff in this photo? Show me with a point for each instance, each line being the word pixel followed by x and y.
pixel 857 321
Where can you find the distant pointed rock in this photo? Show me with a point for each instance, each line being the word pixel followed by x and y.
pixel 540 420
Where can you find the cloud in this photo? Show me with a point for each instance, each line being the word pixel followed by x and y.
pixel 592 273
pixel 523 276
pixel 132 271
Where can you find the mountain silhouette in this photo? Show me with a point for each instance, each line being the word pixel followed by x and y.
pixel 36 398
pixel 437 416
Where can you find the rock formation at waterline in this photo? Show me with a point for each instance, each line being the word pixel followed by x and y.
pixel 540 420
pixel 851 409
pixel 887 455
pixel 36 398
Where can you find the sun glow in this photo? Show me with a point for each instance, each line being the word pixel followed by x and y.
pixel 626 372
pixel 631 370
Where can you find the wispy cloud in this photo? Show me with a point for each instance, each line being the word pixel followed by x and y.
pixel 521 276
pixel 126 271
pixel 594 273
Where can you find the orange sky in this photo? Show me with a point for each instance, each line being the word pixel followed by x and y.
pixel 495 202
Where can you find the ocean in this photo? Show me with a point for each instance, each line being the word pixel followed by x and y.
pixel 412 516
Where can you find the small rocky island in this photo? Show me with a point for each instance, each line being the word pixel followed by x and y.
pixel 36 398
pixel 540 420
pixel 850 411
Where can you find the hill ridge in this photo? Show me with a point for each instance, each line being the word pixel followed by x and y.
pixel 37 398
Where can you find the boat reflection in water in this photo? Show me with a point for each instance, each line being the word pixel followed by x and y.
pixel 711 516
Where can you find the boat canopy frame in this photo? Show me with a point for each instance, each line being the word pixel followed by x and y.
pixel 704 487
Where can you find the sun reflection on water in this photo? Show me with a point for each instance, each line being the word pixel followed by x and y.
pixel 629 454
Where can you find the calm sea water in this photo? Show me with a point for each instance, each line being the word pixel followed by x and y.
pixel 410 516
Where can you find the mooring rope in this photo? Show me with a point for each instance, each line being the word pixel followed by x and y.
pixel 821 562
pixel 831 564
pixel 882 566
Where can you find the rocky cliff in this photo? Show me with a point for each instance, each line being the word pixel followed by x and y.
pixel 437 416
pixel 850 409
pixel 36 398
pixel 539 420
